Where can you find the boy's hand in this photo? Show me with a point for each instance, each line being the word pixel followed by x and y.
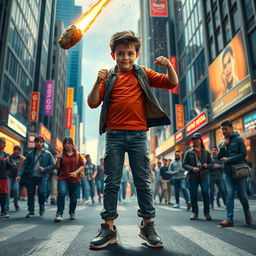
pixel 102 75
pixel 163 61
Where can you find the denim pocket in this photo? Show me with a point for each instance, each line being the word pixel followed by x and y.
pixel 110 133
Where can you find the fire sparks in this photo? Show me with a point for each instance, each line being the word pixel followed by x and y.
pixel 73 34
pixel 85 21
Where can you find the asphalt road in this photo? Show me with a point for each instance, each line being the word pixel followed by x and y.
pixel 41 236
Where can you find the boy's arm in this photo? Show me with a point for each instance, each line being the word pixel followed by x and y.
pixel 95 98
pixel 171 74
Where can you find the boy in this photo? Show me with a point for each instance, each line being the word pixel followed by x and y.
pixel 129 108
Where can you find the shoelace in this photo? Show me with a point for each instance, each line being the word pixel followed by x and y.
pixel 151 231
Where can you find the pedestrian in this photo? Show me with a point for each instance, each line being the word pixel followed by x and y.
pixel 124 182
pixel 232 151
pixel 158 183
pixel 90 174
pixel 54 181
pixel 38 164
pixel 16 160
pixel 129 108
pixel 178 178
pixel 131 181
pixel 69 164
pixel 152 178
pixel 5 166
pixel 216 177
pixel 165 178
pixel 99 179
pixel 197 161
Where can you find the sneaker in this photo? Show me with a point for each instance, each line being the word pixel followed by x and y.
pixel 72 216
pixel 41 210
pixel 30 215
pixel 104 237
pixel 17 207
pixel 248 218
pixel 58 218
pixel 86 201
pixel 148 233
pixel 194 217
pixel 176 206
pixel 226 223
pixel 5 215
pixel 208 217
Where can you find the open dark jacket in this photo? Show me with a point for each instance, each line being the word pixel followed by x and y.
pixel 46 161
pixel 5 166
pixel 190 161
pixel 155 115
pixel 235 151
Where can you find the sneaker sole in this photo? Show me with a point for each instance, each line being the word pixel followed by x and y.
pixel 112 241
pixel 158 245
pixel 58 220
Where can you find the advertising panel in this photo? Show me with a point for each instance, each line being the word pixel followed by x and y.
pixel 179 116
pixel 70 97
pixel 31 140
pixel 58 145
pixel 45 133
pixel 73 132
pixel 196 123
pixel 229 77
pixel 68 118
pixel 178 136
pixel 250 122
pixel 49 98
pixel 17 126
pixel 34 106
pixel 158 8
pixel 173 60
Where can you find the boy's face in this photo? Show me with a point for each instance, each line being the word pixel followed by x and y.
pixel 125 56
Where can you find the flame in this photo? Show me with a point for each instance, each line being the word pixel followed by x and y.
pixel 85 21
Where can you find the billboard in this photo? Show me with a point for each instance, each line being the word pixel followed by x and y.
pixel 45 133
pixel 158 8
pixel 34 106
pixel 49 97
pixel 179 116
pixel 173 60
pixel 229 77
pixel 197 123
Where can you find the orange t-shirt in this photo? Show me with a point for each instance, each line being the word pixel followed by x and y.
pixel 126 102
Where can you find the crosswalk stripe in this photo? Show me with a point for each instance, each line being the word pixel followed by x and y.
pixel 119 208
pixel 78 208
pixel 128 235
pixel 246 231
pixel 57 243
pixel 13 230
pixel 209 243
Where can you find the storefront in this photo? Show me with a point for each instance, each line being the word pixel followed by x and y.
pixel 14 132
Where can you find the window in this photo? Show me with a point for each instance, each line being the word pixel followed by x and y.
pixel 235 19
pixel 249 16
pixel 219 41
pixel 252 40
pixel 216 18
pixel 227 30
pixel 211 50
pixel 224 8
pixel 209 27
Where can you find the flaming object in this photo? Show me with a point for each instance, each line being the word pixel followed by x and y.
pixel 74 33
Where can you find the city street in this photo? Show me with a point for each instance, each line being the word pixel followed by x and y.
pixel 41 236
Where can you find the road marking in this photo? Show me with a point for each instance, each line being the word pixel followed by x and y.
pixel 78 208
pixel 209 243
pixel 13 230
pixel 246 231
pixel 128 235
pixel 57 243
pixel 119 208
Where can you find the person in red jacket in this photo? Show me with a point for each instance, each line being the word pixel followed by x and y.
pixel 70 164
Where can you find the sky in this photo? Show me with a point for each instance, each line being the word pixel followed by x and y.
pixel 118 15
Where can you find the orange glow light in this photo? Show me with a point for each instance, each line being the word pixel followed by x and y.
pixel 85 21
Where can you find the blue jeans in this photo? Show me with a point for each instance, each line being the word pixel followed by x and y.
pixel 66 188
pixel 193 187
pixel 14 188
pixel 136 145
pixel 100 185
pixel 240 186
pixel 221 186
pixel 122 191
pixel 42 190
pixel 84 191
pixel 180 184
pixel 92 188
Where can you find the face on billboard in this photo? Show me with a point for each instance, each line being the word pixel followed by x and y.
pixel 229 77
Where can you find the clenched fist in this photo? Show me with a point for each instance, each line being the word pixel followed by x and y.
pixel 102 75
pixel 163 61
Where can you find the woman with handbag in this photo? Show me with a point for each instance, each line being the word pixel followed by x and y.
pixel 69 165
pixel 197 162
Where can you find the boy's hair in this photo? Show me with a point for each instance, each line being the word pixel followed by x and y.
pixel 126 38
pixel 39 138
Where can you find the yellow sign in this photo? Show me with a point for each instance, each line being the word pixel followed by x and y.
pixel 70 97
pixel 165 146
pixel 17 126
pixel 73 132
pixel 45 133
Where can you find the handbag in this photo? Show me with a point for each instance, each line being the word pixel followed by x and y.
pixel 240 171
